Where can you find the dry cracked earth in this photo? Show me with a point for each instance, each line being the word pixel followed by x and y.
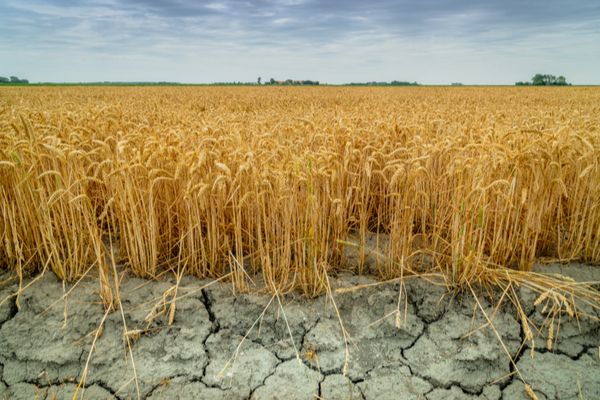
pixel 443 349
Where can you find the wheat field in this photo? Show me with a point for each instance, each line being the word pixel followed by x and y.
pixel 234 181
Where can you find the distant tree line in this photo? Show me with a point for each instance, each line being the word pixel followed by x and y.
pixel 126 83
pixel 12 79
pixel 392 83
pixel 545 80
pixel 289 82
pixel 233 83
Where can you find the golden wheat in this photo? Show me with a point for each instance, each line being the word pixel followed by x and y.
pixel 212 181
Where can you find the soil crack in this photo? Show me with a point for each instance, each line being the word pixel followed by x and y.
pixel 264 381
pixel 11 301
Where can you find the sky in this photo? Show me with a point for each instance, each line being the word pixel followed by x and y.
pixel 428 41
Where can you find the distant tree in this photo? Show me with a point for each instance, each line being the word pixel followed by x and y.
pixel 292 82
pixel 258 80
pixel 13 79
pixel 538 80
pixel 548 80
pixel 397 83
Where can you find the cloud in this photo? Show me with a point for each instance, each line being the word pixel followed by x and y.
pixel 216 6
pixel 400 39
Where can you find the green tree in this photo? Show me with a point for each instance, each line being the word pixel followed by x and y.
pixel 538 80
pixel 548 80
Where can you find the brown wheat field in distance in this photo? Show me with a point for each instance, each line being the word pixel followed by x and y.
pixel 234 181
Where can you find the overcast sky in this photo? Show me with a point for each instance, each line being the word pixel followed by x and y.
pixel 429 41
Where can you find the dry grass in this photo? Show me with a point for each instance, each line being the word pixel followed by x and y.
pixel 212 181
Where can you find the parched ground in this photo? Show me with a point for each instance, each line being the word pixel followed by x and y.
pixel 443 349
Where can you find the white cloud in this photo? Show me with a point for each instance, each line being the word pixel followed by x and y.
pixel 282 21
pixel 216 6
